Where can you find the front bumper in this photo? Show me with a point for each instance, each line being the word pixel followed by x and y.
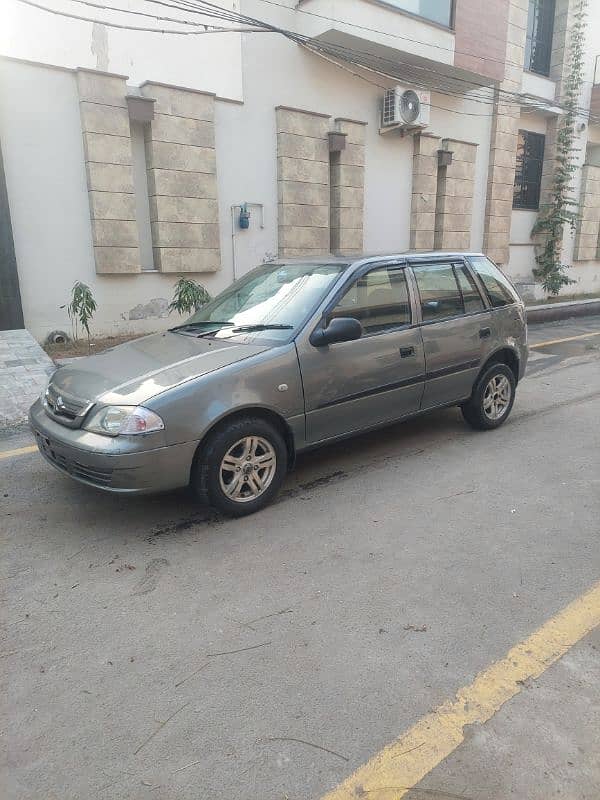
pixel 144 470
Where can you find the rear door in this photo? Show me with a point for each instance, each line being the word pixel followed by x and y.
pixel 350 386
pixel 455 325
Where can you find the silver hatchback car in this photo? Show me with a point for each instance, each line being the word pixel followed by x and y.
pixel 296 354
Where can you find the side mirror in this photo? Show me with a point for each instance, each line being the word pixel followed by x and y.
pixel 340 329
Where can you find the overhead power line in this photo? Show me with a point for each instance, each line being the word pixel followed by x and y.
pixel 429 79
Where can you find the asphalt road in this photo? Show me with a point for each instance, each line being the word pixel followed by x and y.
pixel 154 650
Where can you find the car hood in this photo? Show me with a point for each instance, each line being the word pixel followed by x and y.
pixel 132 373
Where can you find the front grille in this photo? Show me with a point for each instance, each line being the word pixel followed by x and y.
pixel 96 475
pixel 64 408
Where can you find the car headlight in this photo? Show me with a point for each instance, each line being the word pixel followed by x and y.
pixel 130 420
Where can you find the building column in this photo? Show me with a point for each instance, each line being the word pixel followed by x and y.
pixel 348 189
pixel 454 206
pixel 424 191
pixel 302 181
pixel 503 144
pixel 587 244
pixel 182 179
pixel 109 168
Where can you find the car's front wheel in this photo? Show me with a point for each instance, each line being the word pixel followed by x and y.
pixel 492 399
pixel 241 467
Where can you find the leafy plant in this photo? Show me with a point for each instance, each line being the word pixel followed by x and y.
pixel 81 309
pixel 188 296
pixel 562 209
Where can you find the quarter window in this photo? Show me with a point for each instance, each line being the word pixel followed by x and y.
pixel 498 287
pixel 528 170
pixel 378 300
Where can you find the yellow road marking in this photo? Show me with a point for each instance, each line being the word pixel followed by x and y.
pixel 392 772
pixel 568 339
pixel 20 451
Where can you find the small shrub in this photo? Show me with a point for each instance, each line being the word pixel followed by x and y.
pixel 81 309
pixel 188 296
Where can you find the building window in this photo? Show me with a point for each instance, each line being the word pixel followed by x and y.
pixel 439 11
pixel 528 172
pixel 540 27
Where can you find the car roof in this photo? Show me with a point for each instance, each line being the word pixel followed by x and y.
pixel 366 257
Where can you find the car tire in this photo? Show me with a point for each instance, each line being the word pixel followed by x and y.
pixel 492 400
pixel 241 466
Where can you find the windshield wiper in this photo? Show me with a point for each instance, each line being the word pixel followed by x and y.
pixel 192 326
pixel 262 327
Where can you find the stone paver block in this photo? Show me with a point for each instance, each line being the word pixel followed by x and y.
pixel 297 169
pixel 347 218
pixel 305 193
pixel 24 370
pixel 181 130
pixel 304 238
pixel 106 149
pixel 114 233
pixel 353 155
pixel 187 259
pixel 182 184
pixel 180 102
pixel 183 209
pixel 302 123
pixel 461 151
pixel 355 131
pixel 344 175
pixel 112 205
pixel 104 119
pixel 291 145
pixel 347 196
pixel 426 145
pixel 96 87
pixel 109 178
pixel 185 234
pixel 349 239
pixel 304 216
pixel 117 260
pixel 168 155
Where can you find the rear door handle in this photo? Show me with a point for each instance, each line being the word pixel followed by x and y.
pixel 405 352
pixel 484 333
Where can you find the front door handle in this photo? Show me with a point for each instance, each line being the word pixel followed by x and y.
pixel 485 333
pixel 406 352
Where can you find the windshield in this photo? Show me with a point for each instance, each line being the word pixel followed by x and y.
pixel 270 301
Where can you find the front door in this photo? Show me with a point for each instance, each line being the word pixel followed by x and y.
pixel 350 386
pixel 456 331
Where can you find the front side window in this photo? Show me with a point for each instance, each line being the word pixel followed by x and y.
pixel 378 300
pixel 499 289
pixel 439 291
pixel 439 11
pixel 540 29
pixel 528 171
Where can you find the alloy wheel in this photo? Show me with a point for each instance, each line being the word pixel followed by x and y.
pixel 247 469
pixel 496 397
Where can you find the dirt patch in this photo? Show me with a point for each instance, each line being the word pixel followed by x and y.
pixel 79 347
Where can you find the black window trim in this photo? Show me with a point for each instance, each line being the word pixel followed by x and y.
pixel 522 205
pixel 359 273
pixel 453 262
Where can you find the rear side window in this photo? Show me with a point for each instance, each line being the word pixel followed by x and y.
pixel 439 292
pixel 470 292
pixel 498 287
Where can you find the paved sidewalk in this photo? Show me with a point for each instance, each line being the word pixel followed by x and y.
pixel 24 368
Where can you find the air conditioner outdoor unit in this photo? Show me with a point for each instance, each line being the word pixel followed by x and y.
pixel 404 108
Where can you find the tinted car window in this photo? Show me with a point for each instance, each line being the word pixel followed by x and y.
pixel 439 292
pixel 497 286
pixel 378 300
pixel 470 293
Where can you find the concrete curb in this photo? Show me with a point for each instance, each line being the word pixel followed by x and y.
pixel 550 312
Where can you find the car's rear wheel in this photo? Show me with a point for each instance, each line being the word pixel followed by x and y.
pixel 492 399
pixel 241 467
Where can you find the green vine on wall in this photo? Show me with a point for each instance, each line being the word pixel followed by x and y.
pixel 562 208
